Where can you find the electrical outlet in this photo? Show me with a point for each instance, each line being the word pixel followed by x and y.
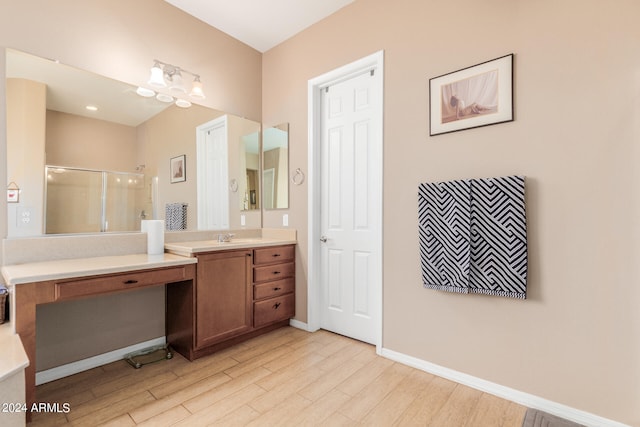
pixel 243 220
pixel 285 220
pixel 24 216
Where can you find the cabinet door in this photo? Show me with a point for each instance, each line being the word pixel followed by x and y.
pixel 223 298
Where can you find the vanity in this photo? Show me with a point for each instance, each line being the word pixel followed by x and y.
pixel 205 295
pixel 217 293
pixel 244 288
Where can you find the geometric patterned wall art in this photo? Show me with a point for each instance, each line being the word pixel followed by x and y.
pixel 473 236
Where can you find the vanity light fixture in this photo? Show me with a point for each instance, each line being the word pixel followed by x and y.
pixel 143 91
pixel 163 97
pixel 157 76
pixel 183 103
pixel 176 84
pixel 196 89
pixel 165 75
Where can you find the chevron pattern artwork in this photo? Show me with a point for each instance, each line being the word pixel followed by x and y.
pixel 473 236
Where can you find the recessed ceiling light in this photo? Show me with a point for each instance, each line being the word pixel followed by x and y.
pixel 91 108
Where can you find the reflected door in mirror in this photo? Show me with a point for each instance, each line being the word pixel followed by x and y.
pixel 275 163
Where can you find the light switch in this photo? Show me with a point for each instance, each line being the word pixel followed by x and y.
pixel 243 220
pixel 285 220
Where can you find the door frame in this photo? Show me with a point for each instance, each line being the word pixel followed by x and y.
pixel 375 62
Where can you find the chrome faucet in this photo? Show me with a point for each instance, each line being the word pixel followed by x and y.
pixel 225 238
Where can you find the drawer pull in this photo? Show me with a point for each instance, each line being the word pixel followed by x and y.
pixel 130 282
pixel 276 289
pixel 276 305
pixel 275 255
pixel 276 272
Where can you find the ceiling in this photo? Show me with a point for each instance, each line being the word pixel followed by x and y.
pixel 261 24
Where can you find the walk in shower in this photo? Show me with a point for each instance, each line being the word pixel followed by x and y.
pixel 90 201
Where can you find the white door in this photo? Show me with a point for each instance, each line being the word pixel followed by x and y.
pixel 350 207
pixel 213 175
pixel 268 187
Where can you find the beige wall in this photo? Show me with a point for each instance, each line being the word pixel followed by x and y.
pixel 26 121
pixel 81 142
pixel 576 339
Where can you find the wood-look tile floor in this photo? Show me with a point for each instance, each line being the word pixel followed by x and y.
pixel 288 377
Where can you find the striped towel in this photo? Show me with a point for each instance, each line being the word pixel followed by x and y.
pixel 176 216
pixel 473 236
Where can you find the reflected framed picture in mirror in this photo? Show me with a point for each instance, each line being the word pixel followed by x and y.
pixel 178 169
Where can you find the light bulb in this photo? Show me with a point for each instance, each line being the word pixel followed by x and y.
pixel 176 82
pixel 157 76
pixel 196 89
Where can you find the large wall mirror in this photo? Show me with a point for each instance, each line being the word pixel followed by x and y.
pixel 275 167
pixel 130 140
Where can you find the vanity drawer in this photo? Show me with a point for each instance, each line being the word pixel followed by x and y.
pixel 274 272
pixel 273 254
pixel 273 310
pixel 117 282
pixel 273 289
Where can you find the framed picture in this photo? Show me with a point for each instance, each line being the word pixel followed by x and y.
pixel 475 96
pixel 177 169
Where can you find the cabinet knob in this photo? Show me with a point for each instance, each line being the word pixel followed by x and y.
pixel 276 305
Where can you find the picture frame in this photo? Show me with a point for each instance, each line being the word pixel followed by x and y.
pixel 178 169
pixel 476 96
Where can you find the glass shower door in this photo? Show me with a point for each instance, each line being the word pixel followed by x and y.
pixel 124 201
pixel 88 201
pixel 74 201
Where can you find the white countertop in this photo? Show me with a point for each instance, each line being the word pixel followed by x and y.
pixel 12 355
pixel 79 267
pixel 190 248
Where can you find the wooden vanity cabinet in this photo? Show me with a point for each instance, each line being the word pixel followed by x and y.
pixel 274 285
pixel 239 294
pixel 223 296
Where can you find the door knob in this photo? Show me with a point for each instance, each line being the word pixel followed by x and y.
pixel 323 239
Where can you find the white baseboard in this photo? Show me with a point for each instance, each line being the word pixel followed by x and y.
pixel 513 395
pixel 93 362
pixel 300 325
